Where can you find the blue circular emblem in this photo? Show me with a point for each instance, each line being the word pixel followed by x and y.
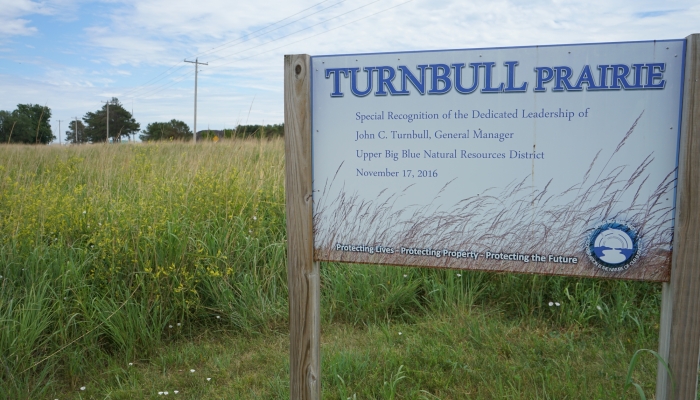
pixel 613 247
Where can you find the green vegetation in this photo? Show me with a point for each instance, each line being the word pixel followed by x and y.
pixel 173 130
pixel 76 132
pixel 29 124
pixel 125 267
pixel 246 132
pixel 121 124
pixel 256 131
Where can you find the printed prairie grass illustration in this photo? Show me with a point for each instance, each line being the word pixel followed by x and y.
pixel 517 228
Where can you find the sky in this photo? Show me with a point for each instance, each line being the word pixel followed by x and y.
pixel 72 55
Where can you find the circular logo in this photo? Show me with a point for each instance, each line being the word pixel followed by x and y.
pixel 613 247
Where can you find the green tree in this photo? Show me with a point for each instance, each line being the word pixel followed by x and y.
pixel 121 123
pixel 29 123
pixel 173 130
pixel 70 133
pixel 6 125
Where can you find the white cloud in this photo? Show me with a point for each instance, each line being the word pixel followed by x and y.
pixel 15 27
pixel 132 42
pixel 14 14
pixel 11 21
pixel 160 32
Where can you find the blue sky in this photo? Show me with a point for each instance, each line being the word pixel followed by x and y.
pixel 71 55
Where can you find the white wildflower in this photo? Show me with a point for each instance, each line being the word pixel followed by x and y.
pixel 191 370
pixel 82 388
pixel 557 304
pixel 551 304
pixel 208 379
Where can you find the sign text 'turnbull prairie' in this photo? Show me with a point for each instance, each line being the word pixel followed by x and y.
pixel 549 159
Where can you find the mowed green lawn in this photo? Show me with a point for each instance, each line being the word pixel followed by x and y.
pixel 133 270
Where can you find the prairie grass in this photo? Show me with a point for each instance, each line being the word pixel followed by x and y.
pixel 124 266
pixel 105 247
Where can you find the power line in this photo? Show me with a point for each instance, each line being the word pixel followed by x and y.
pixel 300 30
pixel 145 84
pixel 182 77
pixel 165 86
pixel 308 37
pixel 287 44
pixel 272 30
pixel 272 24
pixel 165 74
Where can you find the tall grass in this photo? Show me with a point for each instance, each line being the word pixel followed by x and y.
pixel 105 247
pixel 107 252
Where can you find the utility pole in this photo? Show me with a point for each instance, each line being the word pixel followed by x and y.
pixel 196 69
pixel 59 132
pixel 106 102
pixel 75 138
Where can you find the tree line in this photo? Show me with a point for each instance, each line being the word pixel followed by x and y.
pixel 29 124
pixel 244 131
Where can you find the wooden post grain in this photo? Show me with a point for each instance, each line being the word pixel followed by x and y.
pixel 302 271
pixel 679 335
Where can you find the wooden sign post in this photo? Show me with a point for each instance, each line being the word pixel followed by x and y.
pixel 490 159
pixel 679 333
pixel 302 271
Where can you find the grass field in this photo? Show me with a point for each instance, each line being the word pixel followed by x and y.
pixel 124 267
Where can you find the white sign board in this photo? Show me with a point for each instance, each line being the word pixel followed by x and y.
pixel 547 159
